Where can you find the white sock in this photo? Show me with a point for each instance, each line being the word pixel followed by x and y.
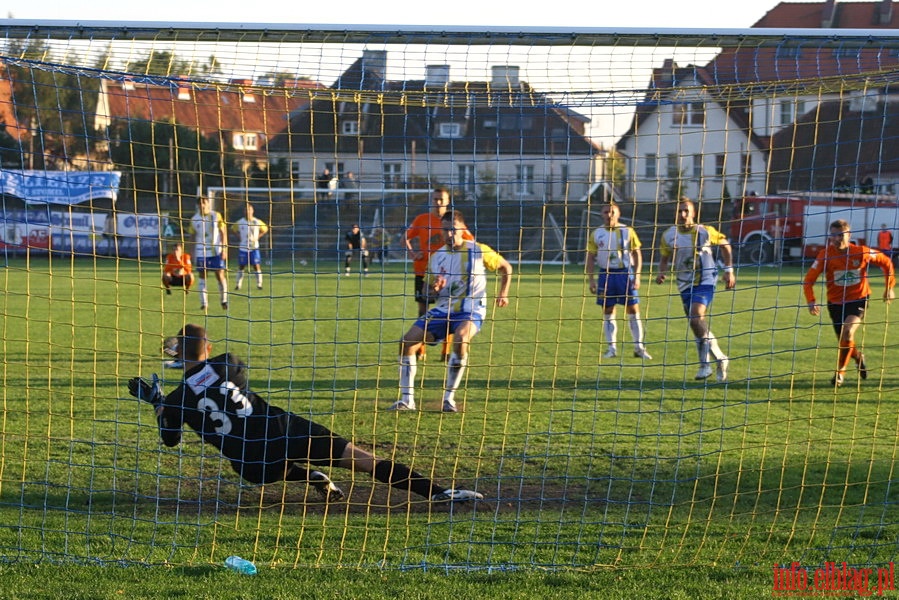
pixel 636 326
pixel 408 367
pixel 259 278
pixel 714 348
pixel 204 297
pixel 610 328
pixel 239 279
pixel 223 290
pixel 702 348
pixel 455 368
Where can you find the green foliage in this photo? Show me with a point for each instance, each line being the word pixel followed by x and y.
pixel 168 157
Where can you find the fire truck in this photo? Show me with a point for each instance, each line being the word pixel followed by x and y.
pixel 793 226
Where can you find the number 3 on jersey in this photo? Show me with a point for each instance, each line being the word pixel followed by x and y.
pixel 219 417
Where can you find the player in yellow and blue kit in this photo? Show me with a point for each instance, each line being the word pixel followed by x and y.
pixel 688 246
pixel 614 251
pixel 457 281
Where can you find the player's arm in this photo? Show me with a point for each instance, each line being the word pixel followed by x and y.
pixel 590 267
pixel 889 274
pixel 504 268
pixel 151 392
pixel 727 255
pixel 636 258
pixel 664 266
pixel 223 229
pixel 263 228
pixel 808 285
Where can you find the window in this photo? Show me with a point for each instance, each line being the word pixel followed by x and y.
pixel 524 175
pixel 697 166
pixel 689 113
pixel 786 112
pixel 652 166
pixel 245 141
pixel 349 127
pixel 393 175
pixel 672 167
pixel 467 178
pixel 719 165
pixel 516 123
pixel 449 130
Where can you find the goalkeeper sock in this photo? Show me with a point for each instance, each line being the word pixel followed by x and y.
pixel 204 296
pixel 403 478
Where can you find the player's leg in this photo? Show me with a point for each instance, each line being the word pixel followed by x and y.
pixel 422 302
pixel 167 283
pixel 364 258
pixel 413 339
pixel 401 477
pixel 635 324
pixel 223 286
pixel 463 333
pixel 201 286
pixel 610 331
pixel 347 261
pixel 256 261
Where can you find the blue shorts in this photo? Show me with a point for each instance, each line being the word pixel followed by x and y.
pixel 439 324
pixel 212 263
pixel 698 294
pixel 249 257
pixel 616 287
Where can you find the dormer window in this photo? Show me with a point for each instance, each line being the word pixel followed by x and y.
pixel 349 127
pixel 245 141
pixel 449 130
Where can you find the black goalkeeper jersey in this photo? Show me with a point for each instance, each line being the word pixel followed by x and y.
pixel 215 401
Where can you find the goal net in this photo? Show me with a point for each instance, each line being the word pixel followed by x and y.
pixel 596 437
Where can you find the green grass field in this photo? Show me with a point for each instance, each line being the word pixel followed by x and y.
pixel 610 478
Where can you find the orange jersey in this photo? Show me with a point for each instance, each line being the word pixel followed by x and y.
pixel 846 273
pixel 884 240
pixel 172 263
pixel 428 230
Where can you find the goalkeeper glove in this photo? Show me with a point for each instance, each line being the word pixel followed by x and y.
pixel 145 390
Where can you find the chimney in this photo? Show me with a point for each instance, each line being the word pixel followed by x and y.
pixel 183 89
pixel 504 76
pixel 245 92
pixel 128 83
pixel 374 64
pixel 885 12
pixel 827 14
pixel 437 75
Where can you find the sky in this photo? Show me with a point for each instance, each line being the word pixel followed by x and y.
pixel 639 14
pixel 577 13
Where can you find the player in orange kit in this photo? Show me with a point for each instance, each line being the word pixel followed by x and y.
pixel 845 266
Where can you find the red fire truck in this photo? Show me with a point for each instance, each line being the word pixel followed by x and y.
pixel 795 225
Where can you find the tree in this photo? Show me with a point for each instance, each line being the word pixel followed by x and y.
pixel 160 62
pixel 53 102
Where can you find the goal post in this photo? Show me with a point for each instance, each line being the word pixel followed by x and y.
pixel 598 438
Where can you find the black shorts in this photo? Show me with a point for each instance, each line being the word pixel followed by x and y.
pixel 839 312
pixel 176 280
pixel 291 439
pixel 419 296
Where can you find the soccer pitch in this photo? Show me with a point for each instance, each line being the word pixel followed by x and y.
pixel 584 462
